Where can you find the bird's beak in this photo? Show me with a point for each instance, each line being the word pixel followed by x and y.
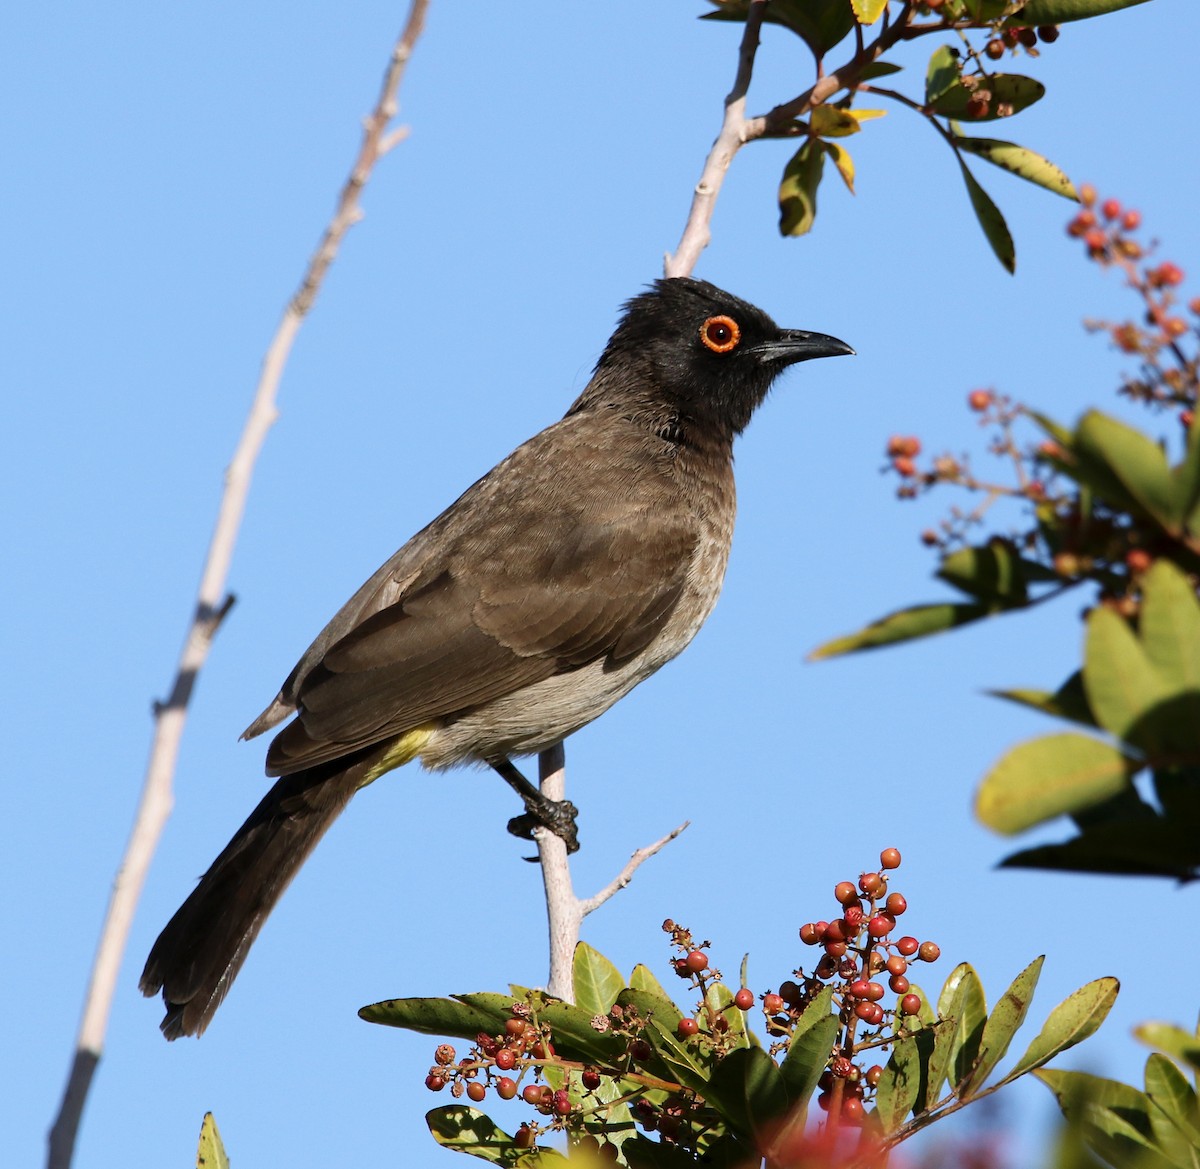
pixel 794 345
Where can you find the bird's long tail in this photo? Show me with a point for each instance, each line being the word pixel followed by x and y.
pixel 199 953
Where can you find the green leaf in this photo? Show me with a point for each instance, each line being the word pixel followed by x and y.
pixel 1180 1045
pixel 1114 1117
pixel 809 1049
pixel 1170 626
pixel 879 69
pixel 750 1091
pixel 436 1016
pixel 868 11
pixel 1039 12
pixel 1122 686
pixel 576 1038
pixel 1048 777
pixel 1071 1022
pixel 1010 94
pixel 990 219
pixel 1173 1096
pixel 903 625
pixel 597 980
pixel 1019 160
pixel 992 572
pixel 1133 459
pixel 821 24
pixel 962 1001
pixel 211 1152
pixel 798 190
pixel 1145 848
pixel 897 1093
pixel 643 978
pixel 1185 480
pixel 1004 1022
pixel 1069 701
pixel 467 1130
pixel 942 73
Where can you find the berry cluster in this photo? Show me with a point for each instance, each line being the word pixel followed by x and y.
pixel 1073 538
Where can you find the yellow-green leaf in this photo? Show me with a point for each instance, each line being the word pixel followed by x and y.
pixel 1049 777
pixel 840 158
pixel 1173 1096
pixel 1004 1022
pixel 597 980
pixel 211 1152
pixel 944 71
pixel 868 11
pixel 1122 686
pixel 1170 626
pixel 1019 160
pixel 1008 93
pixel 1175 1041
pixel 1071 1022
pixel 990 219
pixel 798 190
pixel 904 625
pixel 1039 12
pixel 834 122
pixel 466 1130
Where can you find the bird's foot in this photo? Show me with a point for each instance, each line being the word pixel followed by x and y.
pixel 540 812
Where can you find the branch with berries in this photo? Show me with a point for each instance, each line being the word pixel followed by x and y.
pixel 628 1077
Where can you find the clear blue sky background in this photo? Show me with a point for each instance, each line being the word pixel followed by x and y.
pixel 168 171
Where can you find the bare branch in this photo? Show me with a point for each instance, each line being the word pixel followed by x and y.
pixel 211 606
pixel 626 874
pixel 730 140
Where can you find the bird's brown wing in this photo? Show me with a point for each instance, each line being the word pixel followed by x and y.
pixel 540 568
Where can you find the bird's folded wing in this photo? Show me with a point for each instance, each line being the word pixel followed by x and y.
pixel 499 612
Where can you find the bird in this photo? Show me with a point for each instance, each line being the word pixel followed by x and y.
pixel 569 573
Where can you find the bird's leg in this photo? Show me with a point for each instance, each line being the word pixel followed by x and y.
pixel 557 815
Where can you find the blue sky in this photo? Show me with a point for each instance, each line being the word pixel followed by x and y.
pixel 168 173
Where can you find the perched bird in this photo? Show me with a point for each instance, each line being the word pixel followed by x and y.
pixel 555 584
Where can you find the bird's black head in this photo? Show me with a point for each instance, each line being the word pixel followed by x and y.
pixel 706 355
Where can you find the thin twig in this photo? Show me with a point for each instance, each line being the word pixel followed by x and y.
pixel 626 874
pixel 170 716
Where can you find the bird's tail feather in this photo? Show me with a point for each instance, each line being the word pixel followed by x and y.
pixel 199 953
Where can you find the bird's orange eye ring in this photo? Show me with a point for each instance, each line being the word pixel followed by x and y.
pixel 720 334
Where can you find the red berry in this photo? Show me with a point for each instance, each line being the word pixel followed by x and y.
pixel 562 1102
pixel 876 1015
pixel 434 1082
pixel 896 965
pixel 835 931
pixel 910 1004
pixel 824 1100
pixel 809 934
pixel 870 883
pixel 1137 560
pixel 874 992
pixel 1087 194
pixel 929 952
pixel 686 1027
pixel 1048 33
pixel 994 48
pixel 681 967
pixel 1174 326
pixel 696 961
pixel 744 999
pixel 881 925
pixel 1131 220
pixel 532 1093
pixel 827 967
pixel 890 858
pixel 1111 208
pixel 506 1088
pixel 640 1050
pixel 1186 417
pixel 896 904
pixel 979 400
pixel 904 466
pixel 444 1054
pixel 859 988
pixel 845 892
pixel 853 918
pixel 1095 239
pixel 772 1004
pixel 476 1091
pixel 514 1027
pixel 789 992
pixel 874 1075
pixel 899 983
pixel 523 1137
pixel 543 1049
pixel 907 946
pixel 590 1079
pixel 506 1059
pixel 865 1011
pixel 1028 37
pixel 853 1111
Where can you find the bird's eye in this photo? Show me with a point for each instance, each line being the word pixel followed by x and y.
pixel 720 334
